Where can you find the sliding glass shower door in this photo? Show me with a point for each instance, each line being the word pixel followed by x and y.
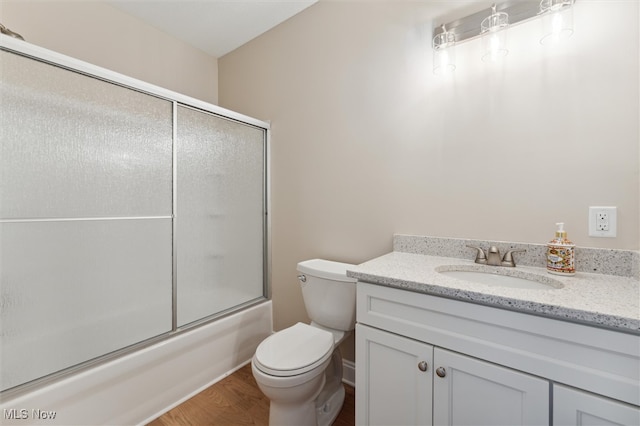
pixel 219 214
pixel 85 218
pixel 125 217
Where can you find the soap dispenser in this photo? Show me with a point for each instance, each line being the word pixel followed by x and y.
pixel 561 253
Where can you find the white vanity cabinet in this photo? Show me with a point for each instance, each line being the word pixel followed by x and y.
pixel 394 375
pixel 469 391
pixel 576 407
pixel 407 382
pixel 498 366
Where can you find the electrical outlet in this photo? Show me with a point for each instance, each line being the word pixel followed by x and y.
pixel 602 221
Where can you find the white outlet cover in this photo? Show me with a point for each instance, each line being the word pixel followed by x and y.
pixel 612 212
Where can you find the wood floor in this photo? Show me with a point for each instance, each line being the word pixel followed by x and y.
pixel 236 400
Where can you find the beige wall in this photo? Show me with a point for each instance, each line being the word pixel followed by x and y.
pixel 366 142
pixel 102 35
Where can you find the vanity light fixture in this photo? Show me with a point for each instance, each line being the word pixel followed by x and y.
pixel 494 35
pixel 555 15
pixel 557 20
pixel 444 55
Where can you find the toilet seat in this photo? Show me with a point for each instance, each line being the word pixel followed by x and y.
pixel 294 350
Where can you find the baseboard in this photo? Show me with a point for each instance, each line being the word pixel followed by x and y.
pixel 349 372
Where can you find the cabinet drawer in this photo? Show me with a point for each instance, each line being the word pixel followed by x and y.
pixel 598 360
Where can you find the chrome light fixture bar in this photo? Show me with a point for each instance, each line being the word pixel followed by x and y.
pixel 488 22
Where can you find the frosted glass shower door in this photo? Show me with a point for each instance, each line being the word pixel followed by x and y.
pixel 220 214
pixel 85 218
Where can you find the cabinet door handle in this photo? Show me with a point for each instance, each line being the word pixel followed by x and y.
pixel 423 366
pixel 441 372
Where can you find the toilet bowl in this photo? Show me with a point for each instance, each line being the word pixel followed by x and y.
pixel 300 368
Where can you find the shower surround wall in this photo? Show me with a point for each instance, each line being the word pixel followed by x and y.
pixel 128 214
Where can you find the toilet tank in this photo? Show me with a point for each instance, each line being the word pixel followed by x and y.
pixel 329 295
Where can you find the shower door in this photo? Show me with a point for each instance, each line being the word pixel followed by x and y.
pixel 219 214
pixel 85 218
pixel 127 215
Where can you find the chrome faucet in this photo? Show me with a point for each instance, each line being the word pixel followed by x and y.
pixel 492 257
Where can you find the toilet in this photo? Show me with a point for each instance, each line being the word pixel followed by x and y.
pixel 300 368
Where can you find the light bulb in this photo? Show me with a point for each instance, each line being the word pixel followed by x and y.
pixel 444 60
pixel 557 20
pixel 556 24
pixel 494 35
pixel 494 46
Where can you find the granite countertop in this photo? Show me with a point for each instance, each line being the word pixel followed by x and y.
pixel 601 300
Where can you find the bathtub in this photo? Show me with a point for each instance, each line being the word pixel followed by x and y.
pixel 139 387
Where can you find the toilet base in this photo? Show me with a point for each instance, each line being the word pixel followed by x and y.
pixel 331 398
pixel 316 402
pixel 328 411
pixel 294 406
pixel 292 414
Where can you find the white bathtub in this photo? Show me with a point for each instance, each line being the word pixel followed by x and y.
pixel 140 386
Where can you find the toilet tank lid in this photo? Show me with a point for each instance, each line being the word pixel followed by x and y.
pixel 327 269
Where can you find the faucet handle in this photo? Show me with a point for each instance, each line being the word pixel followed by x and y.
pixel 508 260
pixel 481 256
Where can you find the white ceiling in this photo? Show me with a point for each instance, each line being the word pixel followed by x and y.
pixel 214 26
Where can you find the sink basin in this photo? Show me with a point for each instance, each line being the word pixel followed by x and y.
pixel 500 277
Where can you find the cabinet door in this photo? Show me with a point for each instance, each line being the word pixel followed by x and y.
pixel 392 387
pixel 575 407
pixel 475 392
